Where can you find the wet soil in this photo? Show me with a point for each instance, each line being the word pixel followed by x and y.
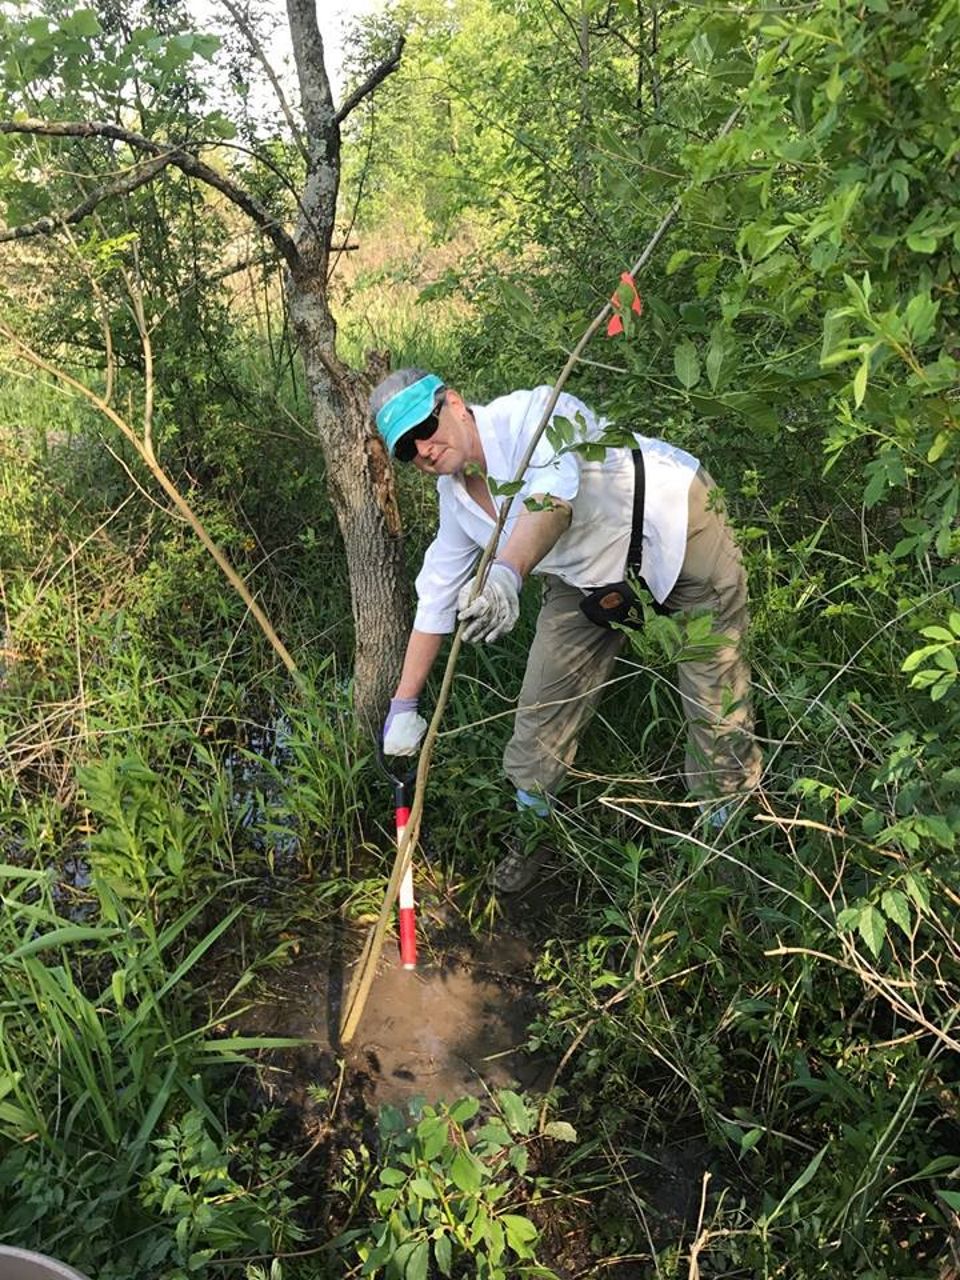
pixel 456 1025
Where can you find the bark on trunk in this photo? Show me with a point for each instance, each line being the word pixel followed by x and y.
pixel 358 472
pixel 360 484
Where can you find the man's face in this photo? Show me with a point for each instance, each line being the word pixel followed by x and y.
pixel 452 445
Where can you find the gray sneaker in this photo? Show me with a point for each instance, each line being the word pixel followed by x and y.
pixel 517 869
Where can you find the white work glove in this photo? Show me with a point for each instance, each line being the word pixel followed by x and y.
pixel 403 729
pixel 496 608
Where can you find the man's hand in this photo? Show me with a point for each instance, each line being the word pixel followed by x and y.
pixel 496 609
pixel 403 729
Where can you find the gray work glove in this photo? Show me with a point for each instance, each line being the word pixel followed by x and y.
pixel 403 729
pixel 496 608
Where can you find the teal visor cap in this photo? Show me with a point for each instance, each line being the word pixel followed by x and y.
pixel 407 409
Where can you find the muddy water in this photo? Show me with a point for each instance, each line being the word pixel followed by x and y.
pixel 455 1025
pixel 443 1033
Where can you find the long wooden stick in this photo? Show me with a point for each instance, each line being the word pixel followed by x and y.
pixel 370 958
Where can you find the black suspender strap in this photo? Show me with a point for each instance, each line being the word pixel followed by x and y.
pixel 617 602
pixel 635 554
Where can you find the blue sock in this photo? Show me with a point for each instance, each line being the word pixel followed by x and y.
pixel 529 801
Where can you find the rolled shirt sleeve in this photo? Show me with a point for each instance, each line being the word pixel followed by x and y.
pixel 446 567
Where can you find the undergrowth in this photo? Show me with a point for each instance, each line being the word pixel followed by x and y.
pixel 762 1018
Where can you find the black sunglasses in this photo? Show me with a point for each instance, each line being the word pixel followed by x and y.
pixel 405 450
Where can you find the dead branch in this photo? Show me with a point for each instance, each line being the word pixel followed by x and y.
pixel 258 52
pixel 266 260
pixel 380 74
pixel 136 177
pixel 177 156
pixel 144 448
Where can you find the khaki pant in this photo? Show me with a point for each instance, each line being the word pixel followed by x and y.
pixel 572 658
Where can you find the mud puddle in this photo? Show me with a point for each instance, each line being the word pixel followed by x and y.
pixel 455 1025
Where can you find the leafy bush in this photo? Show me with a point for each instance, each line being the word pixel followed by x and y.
pixel 440 1192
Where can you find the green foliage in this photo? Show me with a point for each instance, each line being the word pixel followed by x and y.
pixel 442 1190
pixel 191 1185
pixel 781 995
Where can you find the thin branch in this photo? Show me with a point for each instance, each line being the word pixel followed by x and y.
pixel 137 177
pixel 568 19
pixel 145 450
pixel 177 156
pixel 380 74
pixel 258 52
pixel 139 315
pixel 266 260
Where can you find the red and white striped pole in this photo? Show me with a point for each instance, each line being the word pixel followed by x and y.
pixel 408 925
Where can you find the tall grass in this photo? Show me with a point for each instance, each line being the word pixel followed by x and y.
pixel 163 804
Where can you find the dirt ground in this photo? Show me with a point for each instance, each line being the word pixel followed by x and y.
pixel 455 1025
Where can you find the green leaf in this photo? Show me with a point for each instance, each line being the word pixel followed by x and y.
pixel 418 1261
pixel 432 1132
pixel 796 1187
pixel 521 1234
pixel 847 918
pixel 464 1109
pixel 677 260
pixel 920 316
pixel 84 23
pixel 466 1173
pixel 505 490
pixel 493 1136
pixel 515 1111
pixel 942 688
pixel 686 364
pixel 872 928
pixel 946 660
pixel 937 633
pixel 750 1139
pixel 860 381
pixel 443 1253
pixel 950 1198
pixel 401 1257
pixel 834 85
pixel 715 361
pixel 913 660
pixel 495 1240
pixel 897 909
pixel 561 1130
pixel 66 936
pixel 423 1188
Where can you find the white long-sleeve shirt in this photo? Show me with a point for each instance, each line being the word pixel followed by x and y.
pixel 592 551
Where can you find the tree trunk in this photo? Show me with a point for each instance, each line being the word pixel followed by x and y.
pixel 360 484
pixel 359 477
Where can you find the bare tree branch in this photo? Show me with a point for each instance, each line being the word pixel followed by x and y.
pixel 258 52
pixel 574 26
pixel 316 98
pixel 376 77
pixel 318 202
pixel 177 156
pixel 265 260
pixel 136 177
